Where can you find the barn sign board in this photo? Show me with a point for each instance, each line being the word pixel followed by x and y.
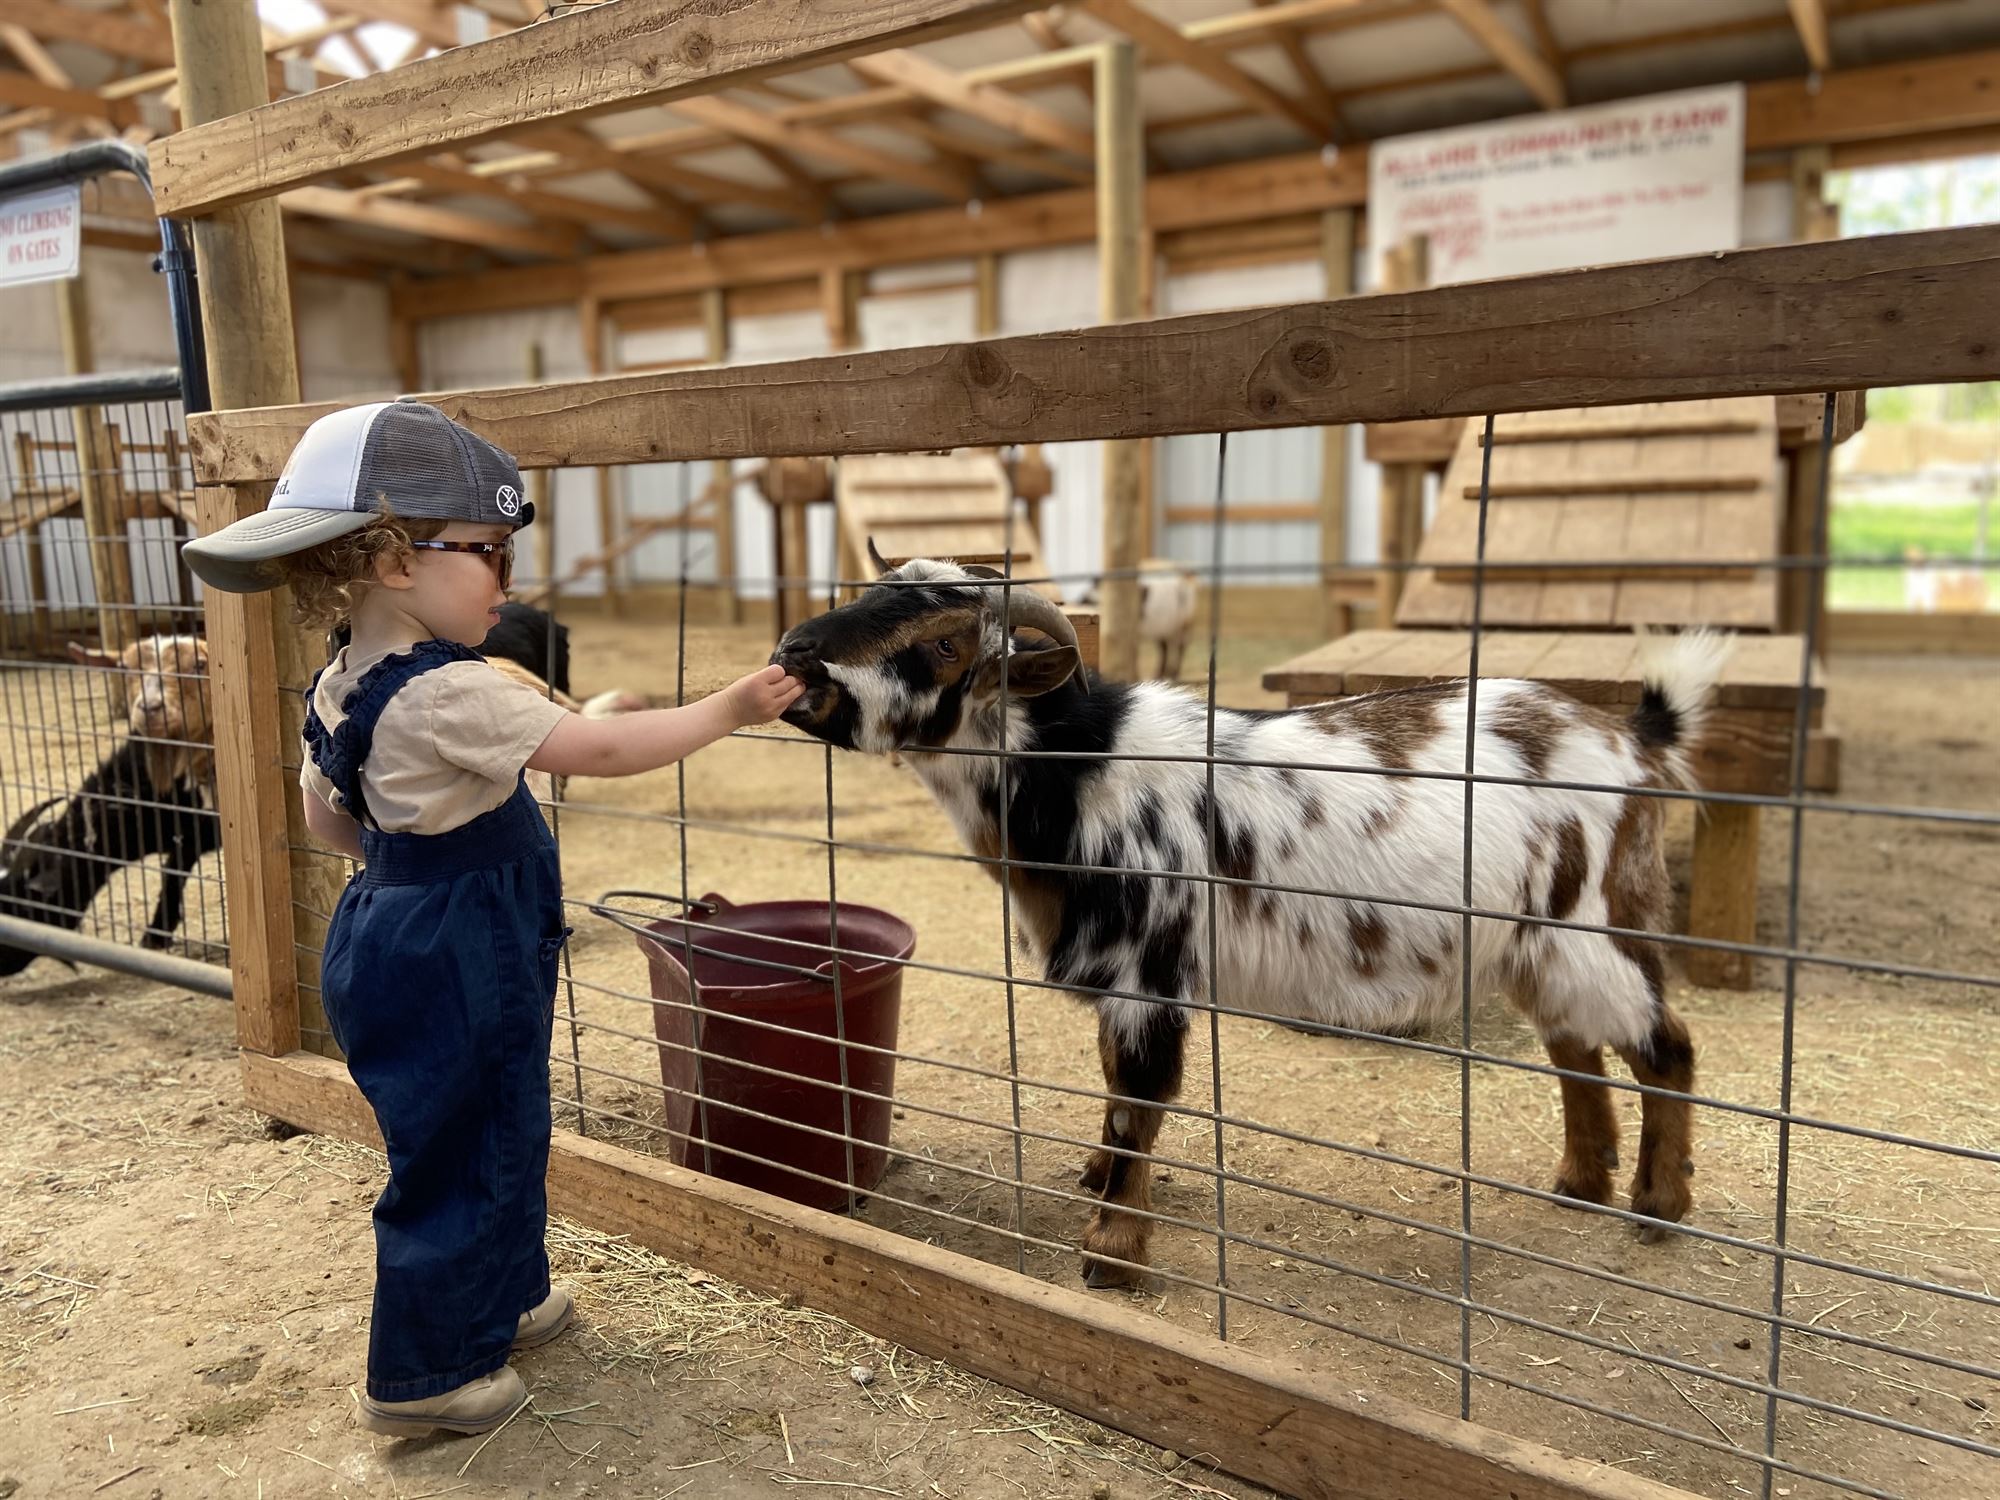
pixel 1635 180
pixel 41 236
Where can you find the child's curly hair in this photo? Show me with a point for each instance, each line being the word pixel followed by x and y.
pixel 326 580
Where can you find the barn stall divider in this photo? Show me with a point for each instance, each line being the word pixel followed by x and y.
pixel 1392 1301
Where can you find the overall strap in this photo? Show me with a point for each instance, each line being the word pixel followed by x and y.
pixel 339 753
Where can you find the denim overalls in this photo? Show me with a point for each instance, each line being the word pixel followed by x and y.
pixel 439 984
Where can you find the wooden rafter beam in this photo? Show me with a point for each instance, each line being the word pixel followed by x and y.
pixel 802 182
pixel 432 23
pixel 768 127
pixel 321 241
pixel 35 57
pixel 606 59
pixel 927 80
pixel 430 222
pixel 19 91
pixel 576 149
pixel 1311 84
pixel 1534 71
pixel 1809 16
pixel 660 222
pixel 52 21
pixel 1167 44
pixel 1545 35
pixel 1042 163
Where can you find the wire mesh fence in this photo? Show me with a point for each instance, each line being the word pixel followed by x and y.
pixel 1404 1195
pixel 107 782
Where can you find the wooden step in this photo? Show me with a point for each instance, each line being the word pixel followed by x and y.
pixel 1637 484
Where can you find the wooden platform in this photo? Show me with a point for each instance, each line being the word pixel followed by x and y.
pixel 1691 482
pixel 942 505
pixel 1748 747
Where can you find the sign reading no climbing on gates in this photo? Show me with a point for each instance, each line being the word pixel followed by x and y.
pixel 41 236
pixel 1629 181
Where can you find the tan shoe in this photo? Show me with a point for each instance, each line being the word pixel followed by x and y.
pixel 545 1320
pixel 477 1406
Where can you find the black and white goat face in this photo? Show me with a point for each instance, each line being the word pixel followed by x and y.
pixel 919 657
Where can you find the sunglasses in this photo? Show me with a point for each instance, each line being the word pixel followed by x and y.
pixel 499 554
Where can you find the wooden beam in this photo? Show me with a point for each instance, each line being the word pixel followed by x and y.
pixel 662 222
pixel 983 101
pixel 1545 34
pixel 1809 16
pixel 1507 47
pixel 1297 1431
pixel 605 59
pixel 1043 163
pixel 772 130
pixel 1168 45
pixel 1337 269
pixel 432 222
pixel 432 22
pixel 1121 206
pixel 253 359
pixel 1906 309
pixel 1861 104
pixel 318 240
pixel 19 91
pixel 715 334
pixel 34 56
pixel 1303 68
pixel 107 32
pixel 1257 28
pixel 576 148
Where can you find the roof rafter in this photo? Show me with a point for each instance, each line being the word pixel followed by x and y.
pixel 1169 45
pixel 432 222
pixel 455 178
pixel 35 57
pixel 1535 72
pixel 926 79
pixel 577 149
pixel 1809 16
pixel 1303 67
pixel 772 129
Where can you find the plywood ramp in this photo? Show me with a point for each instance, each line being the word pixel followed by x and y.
pixel 1694 484
pixel 945 505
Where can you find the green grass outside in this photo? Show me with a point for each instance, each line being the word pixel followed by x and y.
pixel 1874 529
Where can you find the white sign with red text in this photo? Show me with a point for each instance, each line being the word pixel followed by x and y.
pixel 41 236
pixel 1635 180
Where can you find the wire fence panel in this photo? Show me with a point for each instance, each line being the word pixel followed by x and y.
pixel 1288 1022
pixel 107 772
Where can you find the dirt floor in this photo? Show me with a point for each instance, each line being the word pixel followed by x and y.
pixel 250 1255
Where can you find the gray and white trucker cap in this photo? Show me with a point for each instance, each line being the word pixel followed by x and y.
pixel 400 456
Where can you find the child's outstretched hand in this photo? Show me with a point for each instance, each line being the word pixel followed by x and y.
pixel 762 696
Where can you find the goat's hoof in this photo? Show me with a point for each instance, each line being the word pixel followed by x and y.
pixel 1106 1276
pixel 1583 1187
pixel 1665 1206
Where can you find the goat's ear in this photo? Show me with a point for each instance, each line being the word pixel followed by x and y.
pixel 875 557
pixel 83 655
pixel 1032 673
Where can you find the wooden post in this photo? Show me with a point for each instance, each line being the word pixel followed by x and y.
pixel 1722 893
pixel 1813 218
pixel 1120 210
pixel 100 480
pixel 1149 448
pixel 840 305
pixel 986 296
pixel 274 901
pixel 403 346
pixel 540 483
pixel 590 317
pixel 715 323
pixel 1336 249
pixel 1406 268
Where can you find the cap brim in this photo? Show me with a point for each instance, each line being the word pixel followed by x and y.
pixel 238 558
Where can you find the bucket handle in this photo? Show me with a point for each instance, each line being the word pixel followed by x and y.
pixel 709 905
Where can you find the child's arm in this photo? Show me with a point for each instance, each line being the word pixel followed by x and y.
pixel 631 743
pixel 334 829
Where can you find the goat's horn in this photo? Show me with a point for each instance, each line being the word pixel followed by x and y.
pixel 875 557
pixel 22 823
pixel 1026 607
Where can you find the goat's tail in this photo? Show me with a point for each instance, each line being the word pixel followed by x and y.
pixel 1677 678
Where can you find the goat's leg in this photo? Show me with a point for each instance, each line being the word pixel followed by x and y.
pixel 1665 1059
pixel 1140 1046
pixel 169 909
pixel 1590 1128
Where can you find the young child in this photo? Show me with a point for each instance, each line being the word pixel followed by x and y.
pixel 439 975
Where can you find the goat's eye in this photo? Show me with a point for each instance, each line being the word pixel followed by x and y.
pixel 947 650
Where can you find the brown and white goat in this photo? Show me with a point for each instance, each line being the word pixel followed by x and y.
pixel 165 678
pixel 916 663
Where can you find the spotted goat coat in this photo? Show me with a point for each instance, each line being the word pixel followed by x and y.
pixel 915 665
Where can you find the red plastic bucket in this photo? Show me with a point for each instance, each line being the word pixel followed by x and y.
pixel 735 1113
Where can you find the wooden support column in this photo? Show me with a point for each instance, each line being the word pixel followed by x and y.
pixel 1400 507
pixel 541 482
pixel 986 296
pixel 1722 893
pixel 1121 169
pixel 1336 249
pixel 1813 218
pixel 275 899
pixel 715 323
pixel 403 347
pixel 100 481
pixel 590 318
pixel 1149 448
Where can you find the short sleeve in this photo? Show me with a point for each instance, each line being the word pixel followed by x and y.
pixel 488 724
pixel 315 785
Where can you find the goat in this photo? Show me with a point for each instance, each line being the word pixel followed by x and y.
pixel 1168 594
pixel 120 815
pixel 166 704
pixel 916 664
